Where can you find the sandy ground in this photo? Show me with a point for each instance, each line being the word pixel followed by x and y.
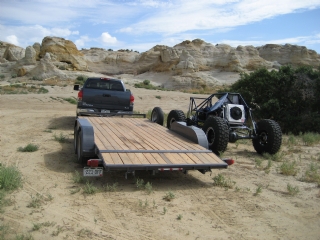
pixel 199 210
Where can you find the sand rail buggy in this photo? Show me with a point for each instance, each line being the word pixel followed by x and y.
pixel 226 117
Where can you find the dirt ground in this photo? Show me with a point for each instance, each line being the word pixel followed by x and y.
pixel 50 205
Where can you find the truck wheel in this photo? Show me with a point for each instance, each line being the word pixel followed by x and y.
pixel 80 157
pixel 269 137
pixel 175 115
pixel 157 116
pixel 217 133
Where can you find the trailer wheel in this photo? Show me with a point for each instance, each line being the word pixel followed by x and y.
pixel 269 137
pixel 80 157
pixel 75 136
pixel 217 133
pixel 157 116
pixel 175 115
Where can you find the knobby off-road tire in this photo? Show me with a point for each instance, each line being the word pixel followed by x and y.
pixel 157 116
pixel 269 137
pixel 217 132
pixel 175 115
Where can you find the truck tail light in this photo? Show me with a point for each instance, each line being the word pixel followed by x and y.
pixel 80 95
pixel 131 99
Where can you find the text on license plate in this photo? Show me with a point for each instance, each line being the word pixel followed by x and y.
pixel 93 172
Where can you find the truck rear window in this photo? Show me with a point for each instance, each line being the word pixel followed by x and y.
pixel 104 84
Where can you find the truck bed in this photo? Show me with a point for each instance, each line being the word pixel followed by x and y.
pixel 134 143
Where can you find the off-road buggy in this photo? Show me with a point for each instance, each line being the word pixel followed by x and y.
pixel 226 117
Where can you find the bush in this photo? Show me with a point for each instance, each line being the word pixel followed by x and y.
pixel 10 178
pixel 288 96
pixel 81 79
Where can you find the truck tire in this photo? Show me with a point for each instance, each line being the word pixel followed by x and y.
pixel 269 137
pixel 81 159
pixel 157 116
pixel 217 133
pixel 175 115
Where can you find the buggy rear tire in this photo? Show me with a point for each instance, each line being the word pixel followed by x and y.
pixel 217 133
pixel 175 115
pixel 157 116
pixel 269 137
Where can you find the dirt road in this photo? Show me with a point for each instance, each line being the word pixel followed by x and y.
pixel 51 205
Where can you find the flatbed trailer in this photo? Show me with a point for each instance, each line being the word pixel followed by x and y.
pixel 132 144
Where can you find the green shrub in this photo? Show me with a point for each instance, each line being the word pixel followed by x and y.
pixel 10 178
pixel 289 96
pixel 81 79
pixel 29 148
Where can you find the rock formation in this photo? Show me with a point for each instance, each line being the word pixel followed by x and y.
pixel 63 51
pixel 11 52
pixel 46 69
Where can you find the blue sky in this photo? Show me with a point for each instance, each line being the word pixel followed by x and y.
pixel 141 24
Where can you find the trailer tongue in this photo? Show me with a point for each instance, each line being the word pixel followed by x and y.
pixel 133 144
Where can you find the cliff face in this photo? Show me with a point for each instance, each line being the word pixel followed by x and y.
pixel 191 63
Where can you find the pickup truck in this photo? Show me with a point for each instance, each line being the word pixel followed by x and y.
pixel 104 96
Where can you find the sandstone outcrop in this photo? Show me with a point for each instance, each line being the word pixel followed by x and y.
pixel 11 52
pixel 46 69
pixel 289 54
pixel 63 51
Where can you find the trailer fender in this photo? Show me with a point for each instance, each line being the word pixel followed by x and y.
pixel 85 129
pixel 192 133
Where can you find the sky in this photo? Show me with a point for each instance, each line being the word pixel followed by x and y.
pixel 139 25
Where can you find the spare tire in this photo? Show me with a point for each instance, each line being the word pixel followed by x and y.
pixel 157 116
pixel 269 137
pixel 217 132
pixel 175 115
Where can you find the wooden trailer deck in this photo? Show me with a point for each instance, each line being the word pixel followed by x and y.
pixel 134 142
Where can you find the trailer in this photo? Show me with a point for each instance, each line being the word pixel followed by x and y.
pixel 133 142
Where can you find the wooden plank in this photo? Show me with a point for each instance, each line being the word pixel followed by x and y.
pixel 195 158
pixel 173 138
pixel 116 158
pixel 163 142
pixel 186 158
pixel 126 135
pixel 158 158
pixel 130 157
pixel 108 133
pixel 107 158
pixel 151 159
pixel 211 157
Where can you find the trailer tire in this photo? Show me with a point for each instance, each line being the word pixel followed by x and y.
pixel 75 136
pixel 175 115
pixel 81 159
pixel 269 137
pixel 157 116
pixel 217 133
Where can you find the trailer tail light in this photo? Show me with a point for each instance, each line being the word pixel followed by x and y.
pixel 93 162
pixel 131 99
pixel 80 95
pixel 228 161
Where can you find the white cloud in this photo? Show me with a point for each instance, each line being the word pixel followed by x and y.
pixel 190 15
pixel 108 39
pixel 28 35
pixel 81 42
pixel 12 39
pixel 302 40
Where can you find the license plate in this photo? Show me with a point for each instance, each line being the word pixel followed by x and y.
pixel 93 172
pixel 105 111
